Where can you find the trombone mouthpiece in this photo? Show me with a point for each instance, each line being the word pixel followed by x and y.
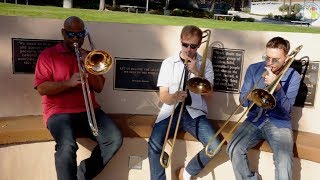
pixel 75 44
pixel 264 74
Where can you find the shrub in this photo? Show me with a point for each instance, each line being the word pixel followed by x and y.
pixel 270 15
pixel 156 11
pixel 196 13
pixel 278 17
pixel 246 10
pixel 291 17
pixel 296 8
pixel 238 18
pixel 284 8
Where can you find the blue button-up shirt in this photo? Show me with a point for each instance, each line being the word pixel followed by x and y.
pixel 285 96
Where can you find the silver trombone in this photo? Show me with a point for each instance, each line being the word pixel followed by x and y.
pixel 97 62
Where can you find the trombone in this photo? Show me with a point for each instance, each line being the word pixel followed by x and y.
pixel 197 85
pixel 97 62
pixel 200 85
pixel 260 97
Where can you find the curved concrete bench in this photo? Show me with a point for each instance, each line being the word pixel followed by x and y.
pixel 29 129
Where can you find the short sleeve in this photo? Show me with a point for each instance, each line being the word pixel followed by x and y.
pixel 43 71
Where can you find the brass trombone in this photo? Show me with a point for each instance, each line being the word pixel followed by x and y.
pixel 260 97
pixel 197 85
pixel 200 85
pixel 97 62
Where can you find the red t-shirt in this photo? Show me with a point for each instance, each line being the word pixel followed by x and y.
pixel 59 64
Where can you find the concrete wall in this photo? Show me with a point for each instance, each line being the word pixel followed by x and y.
pixel 147 42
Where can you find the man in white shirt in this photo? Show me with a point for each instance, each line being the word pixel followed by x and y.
pixel 194 115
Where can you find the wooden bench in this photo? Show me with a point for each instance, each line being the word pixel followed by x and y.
pixel 29 129
pixel 301 23
pixel 223 16
pixel 135 8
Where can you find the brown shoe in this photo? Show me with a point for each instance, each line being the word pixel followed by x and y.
pixel 179 173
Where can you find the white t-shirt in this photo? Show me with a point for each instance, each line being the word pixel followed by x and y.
pixel 170 76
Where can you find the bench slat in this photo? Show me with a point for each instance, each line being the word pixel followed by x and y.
pixel 29 129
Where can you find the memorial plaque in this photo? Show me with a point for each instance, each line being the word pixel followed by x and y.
pixel 309 79
pixel 25 53
pixel 136 74
pixel 227 67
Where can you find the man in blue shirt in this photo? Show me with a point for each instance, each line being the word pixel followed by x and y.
pixel 272 125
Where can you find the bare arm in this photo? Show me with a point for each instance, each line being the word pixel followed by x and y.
pixel 52 88
pixel 171 99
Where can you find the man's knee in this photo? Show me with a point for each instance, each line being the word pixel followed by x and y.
pixel 116 142
pixel 66 150
pixel 232 150
pixel 213 149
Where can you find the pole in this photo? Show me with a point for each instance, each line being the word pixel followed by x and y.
pixel 147 6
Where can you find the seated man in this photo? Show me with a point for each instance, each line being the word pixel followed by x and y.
pixel 58 81
pixel 272 125
pixel 194 114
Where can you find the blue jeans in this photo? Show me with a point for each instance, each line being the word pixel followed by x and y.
pixel 199 128
pixel 65 128
pixel 248 136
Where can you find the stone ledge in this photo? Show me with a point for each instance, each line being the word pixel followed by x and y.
pixel 29 129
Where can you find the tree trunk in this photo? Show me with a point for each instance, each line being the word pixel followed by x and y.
pixel 67 3
pixel 284 10
pixel 212 5
pixel 290 7
pixel 102 5
pixel 114 3
pixel 147 6
pixel 167 4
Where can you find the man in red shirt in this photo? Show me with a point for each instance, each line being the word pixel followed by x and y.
pixel 57 79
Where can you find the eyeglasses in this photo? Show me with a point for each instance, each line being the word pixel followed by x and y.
pixel 192 46
pixel 272 60
pixel 79 35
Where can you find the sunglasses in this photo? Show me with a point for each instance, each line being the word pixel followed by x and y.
pixel 272 60
pixel 192 46
pixel 79 35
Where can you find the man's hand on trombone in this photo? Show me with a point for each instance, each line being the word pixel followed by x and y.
pixel 75 80
pixel 190 63
pixel 179 96
pixel 270 78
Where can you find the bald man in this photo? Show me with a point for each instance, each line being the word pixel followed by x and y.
pixel 57 80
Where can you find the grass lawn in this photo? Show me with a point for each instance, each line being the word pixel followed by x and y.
pixel 8 9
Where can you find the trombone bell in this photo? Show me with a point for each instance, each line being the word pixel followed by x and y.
pixel 98 62
pixel 199 85
pixel 263 99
